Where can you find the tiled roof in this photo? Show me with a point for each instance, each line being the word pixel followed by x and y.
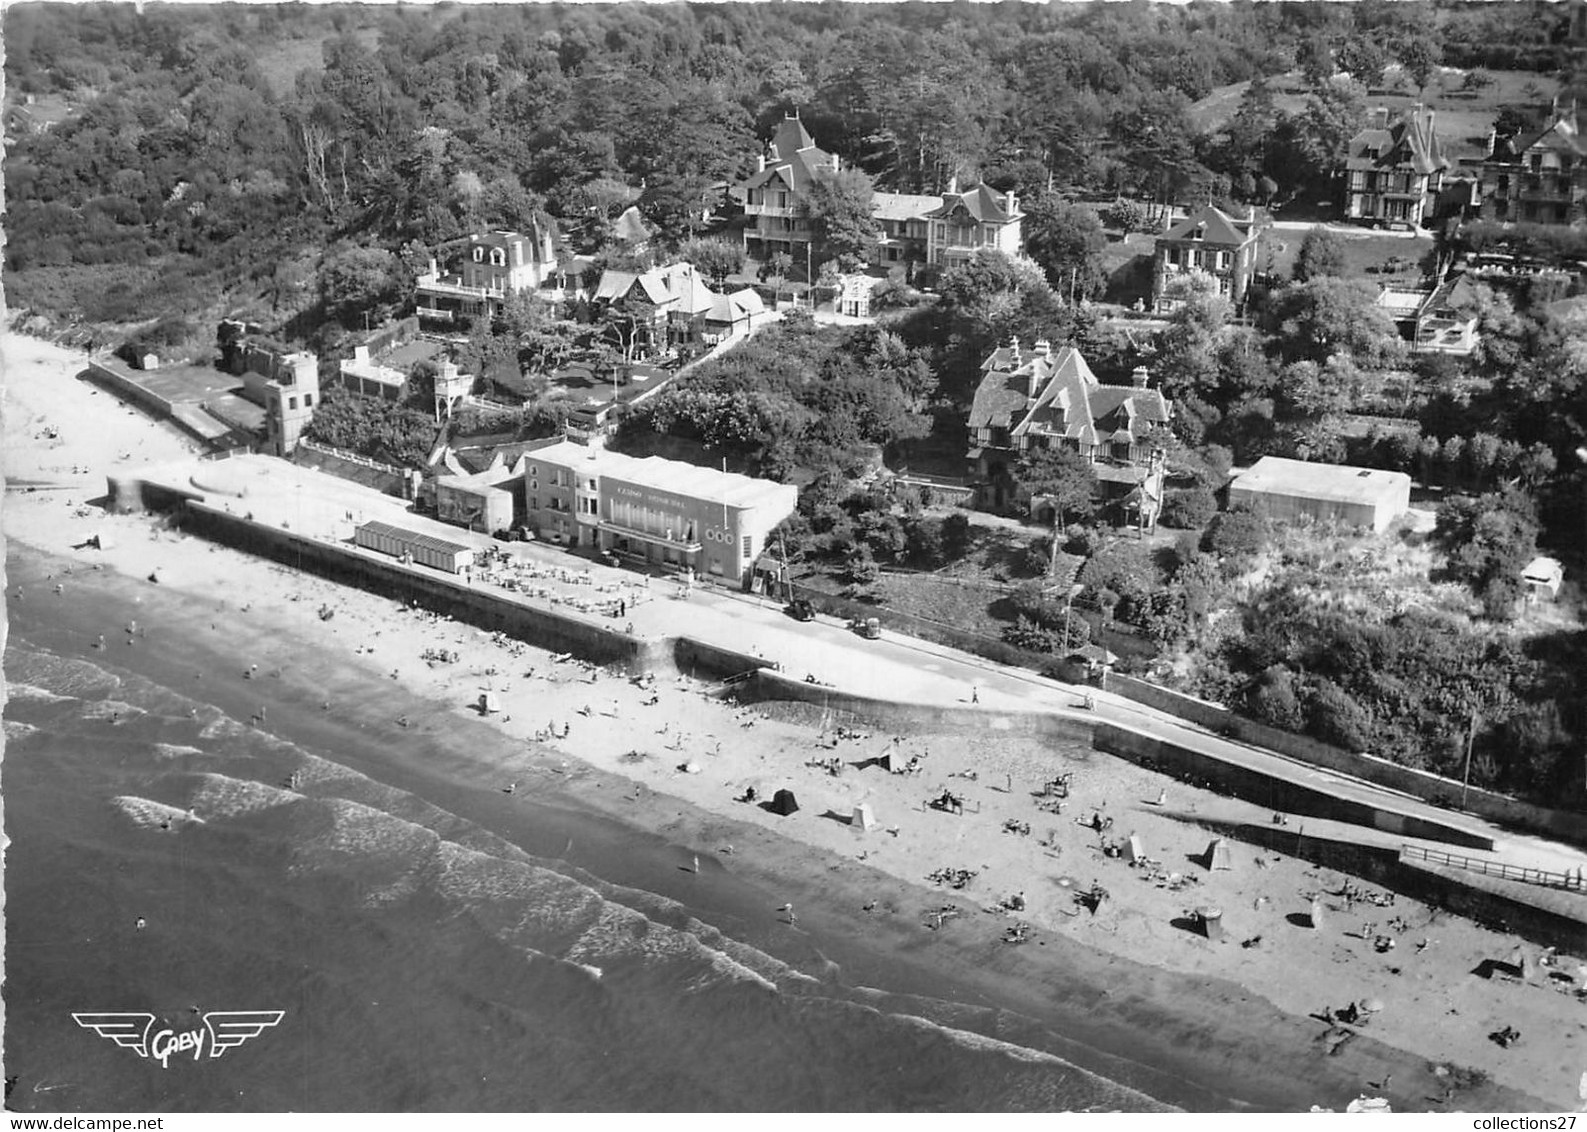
pixel 984 203
pixel 1560 134
pixel 902 206
pixel 1211 226
pixel 629 228
pixel 1409 141
pixel 793 156
pixel 1069 400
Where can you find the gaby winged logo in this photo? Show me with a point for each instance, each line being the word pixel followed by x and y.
pixel 223 1030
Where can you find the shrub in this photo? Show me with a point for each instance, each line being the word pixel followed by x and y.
pixel 1235 534
pixel 1188 509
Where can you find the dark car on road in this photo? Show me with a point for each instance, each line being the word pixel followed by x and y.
pixel 800 610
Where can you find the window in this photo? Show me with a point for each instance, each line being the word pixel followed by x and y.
pixel 749 544
pixel 479 255
pixel 292 402
pixel 308 400
pixel 590 484
pixel 498 258
pixel 534 503
pixel 782 200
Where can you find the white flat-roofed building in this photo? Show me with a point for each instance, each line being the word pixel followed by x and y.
pixel 664 512
pixel 367 377
pixel 1294 489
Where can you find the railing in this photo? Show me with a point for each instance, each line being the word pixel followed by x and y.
pixel 1572 882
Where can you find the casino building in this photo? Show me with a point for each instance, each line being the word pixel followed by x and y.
pixel 663 512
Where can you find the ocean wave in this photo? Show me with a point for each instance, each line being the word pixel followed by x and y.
pixel 23 693
pixel 218 797
pixel 152 816
pixel 117 710
pixel 60 675
pixel 16 730
pixel 175 751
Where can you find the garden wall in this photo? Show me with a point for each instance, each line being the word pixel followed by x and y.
pixel 1429 787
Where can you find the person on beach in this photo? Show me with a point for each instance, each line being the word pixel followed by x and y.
pixel 975 693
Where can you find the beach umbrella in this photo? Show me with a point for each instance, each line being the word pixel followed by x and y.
pixel 1372 1005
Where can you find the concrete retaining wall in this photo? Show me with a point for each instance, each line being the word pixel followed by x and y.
pixel 1273 793
pixel 488 609
pixel 1382 866
pixel 772 685
pixel 1434 788
pixel 694 657
pixel 125 386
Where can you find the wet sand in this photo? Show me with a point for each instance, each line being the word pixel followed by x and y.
pixel 1193 1022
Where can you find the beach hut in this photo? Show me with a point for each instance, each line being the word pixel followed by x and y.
pixel 1211 920
pixel 1316 913
pixel 1218 855
pixel 784 803
pixel 1133 853
pixel 488 702
pixel 863 818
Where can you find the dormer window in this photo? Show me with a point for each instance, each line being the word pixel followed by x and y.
pixel 498 258
pixel 1372 152
pixel 479 255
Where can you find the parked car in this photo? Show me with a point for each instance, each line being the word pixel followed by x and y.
pixel 800 610
pixel 868 627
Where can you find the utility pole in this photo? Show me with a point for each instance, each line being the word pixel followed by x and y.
pixel 1471 735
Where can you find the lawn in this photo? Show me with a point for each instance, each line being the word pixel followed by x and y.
pixel 1366 253
pixel 1462 117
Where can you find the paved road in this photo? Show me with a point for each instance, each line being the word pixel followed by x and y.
pixel 895 667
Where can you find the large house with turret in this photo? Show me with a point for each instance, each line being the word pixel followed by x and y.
pixel 911 229
pixel 1048 397
pixel 1394 171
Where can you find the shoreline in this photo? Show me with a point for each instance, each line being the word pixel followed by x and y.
pixel 1193 1038
pixel 1126 981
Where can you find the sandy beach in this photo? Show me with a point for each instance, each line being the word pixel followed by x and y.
pixel 1230 1017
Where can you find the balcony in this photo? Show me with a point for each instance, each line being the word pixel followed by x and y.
pixel 770 210
pixel 656 538
pixel 444 288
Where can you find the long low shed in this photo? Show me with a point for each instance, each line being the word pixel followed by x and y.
pixel 424 549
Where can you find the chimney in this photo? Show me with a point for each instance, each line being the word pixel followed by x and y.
pixel 762 161
pixel 1044 347
pixel 1138 377
pixel 1380 117
pixel 953 182
pixel 1013 203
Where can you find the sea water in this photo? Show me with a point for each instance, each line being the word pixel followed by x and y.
pixel 169 858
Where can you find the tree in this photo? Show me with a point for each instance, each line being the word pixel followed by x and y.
pixel 1420 54
pixel 838 206
pixel 1189 509
pixel 355 282
pixel 1237 535
pixel 1326 316
pixel 1487 542
pixel 1064 477
pixel 1125 215
pixel 715 258
pixel 1322 252
pixel 1067 241
pixel 776 269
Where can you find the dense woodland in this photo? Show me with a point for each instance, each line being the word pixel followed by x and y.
pixel 302 162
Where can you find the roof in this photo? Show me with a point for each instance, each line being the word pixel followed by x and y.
pixel 981 201
pixel 1544 571
pixel 1560 134
pixel 1303 479
pixel 739 305
pixel 1403 302
pixel 414 538
pixel 373 371
pixel 708 484
pixel 629 227
pixel 1212 225
pixel 1052 392
pixel 793 155
pixel 1408 141
pixel 902 206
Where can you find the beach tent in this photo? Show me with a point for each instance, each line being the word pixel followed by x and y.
pixel 784 803
pixel 1218 855
pixel 488 702
pixel 1211 922
pixel 101 541
pixel 863 817
pixel 884 761
pixel 1316 912
pixel 1132 849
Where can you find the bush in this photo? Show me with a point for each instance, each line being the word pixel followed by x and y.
pixel 1188 509
pixel 1235 534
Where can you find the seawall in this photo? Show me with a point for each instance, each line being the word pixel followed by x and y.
pixel 1438 790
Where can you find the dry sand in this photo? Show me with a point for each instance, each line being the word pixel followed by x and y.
pixel 61 435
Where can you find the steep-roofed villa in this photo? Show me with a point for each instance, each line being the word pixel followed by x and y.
pixel 1395 171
